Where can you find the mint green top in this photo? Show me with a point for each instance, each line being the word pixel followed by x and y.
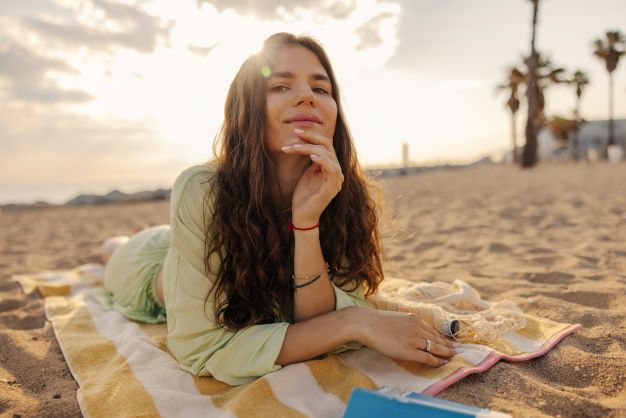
pixel 193 338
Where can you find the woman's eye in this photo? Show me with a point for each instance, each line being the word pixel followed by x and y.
pixel 279 88
pixel 320 90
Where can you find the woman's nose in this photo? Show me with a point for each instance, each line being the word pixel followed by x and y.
pixel 305 95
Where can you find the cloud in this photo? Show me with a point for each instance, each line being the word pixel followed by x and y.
pixel 18 8
pixel 340 9
pixel 28 78
pixel 200 50
pixel 35 39
pixel 119 25
pixel 369 32
pixel 277 9
pixel 55 147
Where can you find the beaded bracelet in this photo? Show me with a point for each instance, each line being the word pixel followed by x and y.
pixel 310 279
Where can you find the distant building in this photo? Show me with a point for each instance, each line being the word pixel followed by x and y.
pixel 405 155
pixel 592 137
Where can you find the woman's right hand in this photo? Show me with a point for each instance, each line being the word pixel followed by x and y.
pixel 402 336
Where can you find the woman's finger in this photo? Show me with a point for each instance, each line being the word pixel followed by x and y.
pixel 329 167
pixel 427 358
pixel 305 149
pixel 433 334
pixel 331 170
pixel 322 153
pixel 433 347
pixel 316 138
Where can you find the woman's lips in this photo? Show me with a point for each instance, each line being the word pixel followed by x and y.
pixel 304 123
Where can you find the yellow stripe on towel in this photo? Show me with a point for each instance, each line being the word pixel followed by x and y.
pixel 338 378
pixel 540 328
pixel 253 399
pixel 96 365
pixel 435 373
pixel 52 290
pixel 528 339
pixel 241 400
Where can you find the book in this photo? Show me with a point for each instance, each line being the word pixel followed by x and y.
pixel 399 403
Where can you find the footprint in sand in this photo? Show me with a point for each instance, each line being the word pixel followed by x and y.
pixel 10 304
pixel 540 250
pixel 426 246
pixel 398 257
pixel 8 286
pixel 570 372
pixel 577 203
pixel 550 277
pixel 545 261
pixel 588 259
pixel 498 248
pixel 28 322
pixel 510 213
pixel 585 298
pixel 594 345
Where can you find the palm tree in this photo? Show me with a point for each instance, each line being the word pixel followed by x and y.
pixel 529 154
pixel 610 50
pixel 514 78
pixel 580 79
pixel 561 128
pixel 546 74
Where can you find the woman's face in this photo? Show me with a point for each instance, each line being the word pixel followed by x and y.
pixel 299 95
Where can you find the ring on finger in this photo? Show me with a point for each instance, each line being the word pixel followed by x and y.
pixel 428 344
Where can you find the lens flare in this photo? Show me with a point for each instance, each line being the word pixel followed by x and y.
pixel 265 71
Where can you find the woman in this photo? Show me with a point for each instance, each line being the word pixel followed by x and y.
pixel 272 248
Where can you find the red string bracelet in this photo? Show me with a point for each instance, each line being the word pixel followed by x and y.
pixel 292 227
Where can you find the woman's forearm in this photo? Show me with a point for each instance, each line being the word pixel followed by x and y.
pixel 317 298
pixel 310 338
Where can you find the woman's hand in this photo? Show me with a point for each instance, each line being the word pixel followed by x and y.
pixel 402 336
pixel 320 183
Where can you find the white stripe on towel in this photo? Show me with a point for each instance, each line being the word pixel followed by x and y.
pixel 291 382
pixel 384 371
pixel 156 370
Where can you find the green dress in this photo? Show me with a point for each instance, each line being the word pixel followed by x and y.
pixel 201 347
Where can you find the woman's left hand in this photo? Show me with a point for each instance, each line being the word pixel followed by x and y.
pixel 320 183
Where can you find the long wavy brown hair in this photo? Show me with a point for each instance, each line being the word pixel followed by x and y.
pixel 248 232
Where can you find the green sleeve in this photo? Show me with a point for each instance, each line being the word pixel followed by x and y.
pixel 346 299
pixel 193 338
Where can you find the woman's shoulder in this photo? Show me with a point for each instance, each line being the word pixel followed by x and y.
pixel 194 175
pixel 192 185
pixel 197 172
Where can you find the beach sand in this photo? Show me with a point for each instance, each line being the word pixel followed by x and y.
pixel 551 239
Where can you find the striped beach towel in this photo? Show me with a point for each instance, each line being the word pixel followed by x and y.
pixel 123 367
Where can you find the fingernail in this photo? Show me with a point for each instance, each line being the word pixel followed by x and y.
pixel 455 345
pixel 313 156
pixel 298 131
pixel 286 147
pixel 446 361
pixel 296 145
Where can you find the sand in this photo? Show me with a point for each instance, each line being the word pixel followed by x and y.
pixel 551 240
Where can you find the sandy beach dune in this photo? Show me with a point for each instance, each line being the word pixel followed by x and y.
pixel 551 240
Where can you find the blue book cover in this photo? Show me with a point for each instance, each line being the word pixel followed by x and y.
pixel 400 404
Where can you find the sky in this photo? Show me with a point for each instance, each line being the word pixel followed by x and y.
pixel 99 95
